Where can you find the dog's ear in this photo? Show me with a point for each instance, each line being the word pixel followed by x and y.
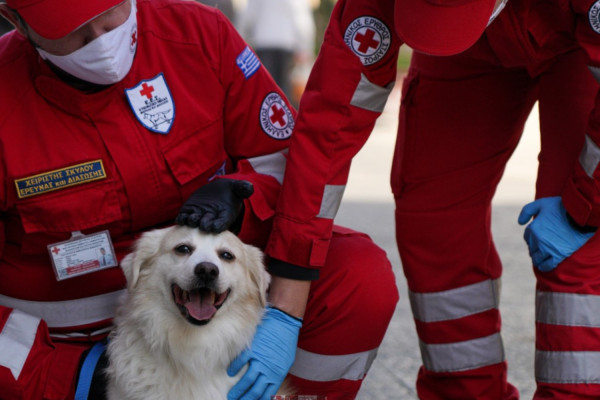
pixel 258 272
pixel 127 267
pixel 145 248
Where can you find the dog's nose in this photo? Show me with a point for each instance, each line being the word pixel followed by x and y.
pixel 207 272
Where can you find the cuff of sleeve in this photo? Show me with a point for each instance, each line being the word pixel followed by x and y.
pixel 290 271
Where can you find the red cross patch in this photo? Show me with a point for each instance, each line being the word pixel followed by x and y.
pixel 152 104
pixel 276 119
pixel 369 38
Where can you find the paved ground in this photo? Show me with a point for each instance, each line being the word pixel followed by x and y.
pixel 368 206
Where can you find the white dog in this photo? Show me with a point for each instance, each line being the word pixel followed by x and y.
pixel 194 301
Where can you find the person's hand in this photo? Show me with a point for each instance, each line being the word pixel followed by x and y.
pixel 551 236
pixel 269 357
pixel 216 206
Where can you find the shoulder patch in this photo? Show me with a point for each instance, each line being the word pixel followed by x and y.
pixel 276 119
pixel 152 104
pixel 248 62
pixel 369 38
pixel 594 16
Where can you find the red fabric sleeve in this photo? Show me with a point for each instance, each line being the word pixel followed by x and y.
pixel 360 49
pixel 581 196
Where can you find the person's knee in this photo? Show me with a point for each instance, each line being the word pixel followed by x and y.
pixel 368 277
pixel 354 298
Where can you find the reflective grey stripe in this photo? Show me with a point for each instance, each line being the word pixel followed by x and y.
pixel 462 356
pixel 79 335
pixel 270 164
pixel 332 198
pixel 326 368
pixel 595 71
pixel 69 313
pixel 370 96
pixel 569 309
pixel 16 340
pixel 455 303
pixel 590 156
pixel 567 366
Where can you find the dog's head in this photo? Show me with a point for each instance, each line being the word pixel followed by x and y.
pixel 196 274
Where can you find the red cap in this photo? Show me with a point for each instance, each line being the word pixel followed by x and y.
pixel 442 27
pixel 54 19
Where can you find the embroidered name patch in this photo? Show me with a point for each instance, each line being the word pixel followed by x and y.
pixel 248 62
pixel 594 17
pixel 276 119
pixel 369 38
pixel 60 179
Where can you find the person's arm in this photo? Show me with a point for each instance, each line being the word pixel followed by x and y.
pixel 289 295
pixel 346 92
pixel 559 226
pixel 581 196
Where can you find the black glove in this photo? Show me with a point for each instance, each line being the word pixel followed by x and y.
pixel 215 207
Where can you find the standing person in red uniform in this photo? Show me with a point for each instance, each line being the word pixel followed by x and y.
pixel 461 117
pixel 122 116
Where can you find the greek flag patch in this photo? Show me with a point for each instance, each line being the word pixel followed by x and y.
pixel 248 62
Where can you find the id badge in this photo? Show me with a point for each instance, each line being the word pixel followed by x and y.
pixel 82 254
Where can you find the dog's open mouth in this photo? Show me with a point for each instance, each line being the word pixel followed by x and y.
pixel 198 306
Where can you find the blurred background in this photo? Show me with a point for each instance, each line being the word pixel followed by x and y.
pixel 270 24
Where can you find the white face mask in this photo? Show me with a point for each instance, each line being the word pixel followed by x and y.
pixel 496 11
pixel 106 59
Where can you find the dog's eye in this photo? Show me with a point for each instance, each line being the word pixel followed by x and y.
pixel 183 249
pixel 225 255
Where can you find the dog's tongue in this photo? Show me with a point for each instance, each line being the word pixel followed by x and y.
pixel 201 305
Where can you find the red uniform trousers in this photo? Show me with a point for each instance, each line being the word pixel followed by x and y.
pixel 461 118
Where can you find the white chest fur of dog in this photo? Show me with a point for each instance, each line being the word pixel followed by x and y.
pixel 194 301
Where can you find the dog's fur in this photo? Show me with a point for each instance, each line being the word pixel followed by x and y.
pixel 158 350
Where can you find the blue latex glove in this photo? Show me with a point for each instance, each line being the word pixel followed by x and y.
pixel 551 236
pixel 270 357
